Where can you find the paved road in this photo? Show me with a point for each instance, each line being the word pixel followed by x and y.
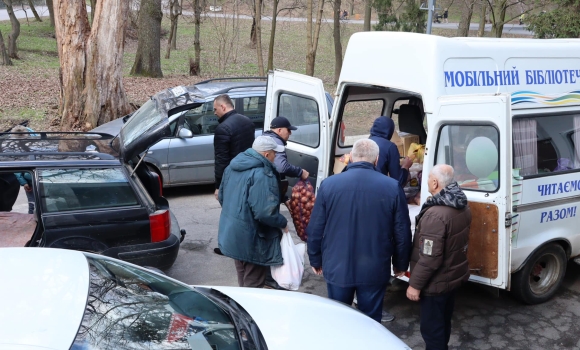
pixel 508 28
pixel 484 319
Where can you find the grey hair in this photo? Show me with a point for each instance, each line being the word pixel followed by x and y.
pixel 443 173
pixel 365 150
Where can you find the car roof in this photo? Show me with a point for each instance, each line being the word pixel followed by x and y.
pixel 230 85
pixel 40 148
pixel 43 297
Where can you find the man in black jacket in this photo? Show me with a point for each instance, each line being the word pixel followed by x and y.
pixel 233 135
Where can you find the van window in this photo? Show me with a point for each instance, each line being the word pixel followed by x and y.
pixel 546 144
pixel 78 189
pixel 357 120
pixel 303 113
pixel 473 152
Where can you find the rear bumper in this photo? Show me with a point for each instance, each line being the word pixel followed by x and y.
pixel 161 255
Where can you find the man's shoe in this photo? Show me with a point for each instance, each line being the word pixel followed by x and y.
pixel 217 251
pixel 387 317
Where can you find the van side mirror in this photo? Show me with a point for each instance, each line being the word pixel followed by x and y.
pixel 184 133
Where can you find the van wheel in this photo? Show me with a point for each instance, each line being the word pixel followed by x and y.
pixel 542 275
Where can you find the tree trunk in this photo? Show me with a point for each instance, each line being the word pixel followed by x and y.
pixel 3 53
pixel 351 10
pixel 93 5
pixel 50 6
pixel 91 75
pixel 259 37
pixel 12 47
pixel 148 57
pixel 33 9
pixel 498 18
pixel 312 38
pixel 466 13
pixel 253 30
pixel 272 35
pixel 481 31
pixel 367 21
pixel 174 12
pixel 337 43
pixel 194 67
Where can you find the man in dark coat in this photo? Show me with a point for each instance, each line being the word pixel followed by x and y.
pixel 280 131
pixel 389 164
pixel 234 134
pixel 250 227
pixel 359 222
pixel 439 259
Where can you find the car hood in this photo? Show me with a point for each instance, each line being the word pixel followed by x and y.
pixel 290 320
pixel 150 123
pixel 111 128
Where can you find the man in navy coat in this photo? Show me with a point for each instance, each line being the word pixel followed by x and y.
pixel 359 222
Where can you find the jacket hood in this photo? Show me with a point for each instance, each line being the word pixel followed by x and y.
pixel 250 159
pixel 383 127
pixel 274 135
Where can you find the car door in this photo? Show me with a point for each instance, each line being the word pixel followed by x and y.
pixel 302 100
pixel 472 134
pixel 191 160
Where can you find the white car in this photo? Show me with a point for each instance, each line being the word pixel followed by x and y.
pixel 64 299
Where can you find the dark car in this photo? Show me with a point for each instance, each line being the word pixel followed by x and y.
pixel 187 158
pixel 91 192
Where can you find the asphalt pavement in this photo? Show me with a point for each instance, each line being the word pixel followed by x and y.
pixel 515 29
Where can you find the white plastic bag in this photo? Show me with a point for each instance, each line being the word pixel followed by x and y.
pixel 289 275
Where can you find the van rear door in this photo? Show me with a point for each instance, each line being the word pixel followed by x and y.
pixel 473 133
pixel 302 100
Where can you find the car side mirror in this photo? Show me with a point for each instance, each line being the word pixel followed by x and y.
pixel 184 133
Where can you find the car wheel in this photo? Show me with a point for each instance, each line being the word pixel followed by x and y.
pixel 542 275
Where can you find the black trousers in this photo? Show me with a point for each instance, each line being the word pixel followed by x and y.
pixel 436 312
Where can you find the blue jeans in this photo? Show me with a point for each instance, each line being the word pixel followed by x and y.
pixel 369 298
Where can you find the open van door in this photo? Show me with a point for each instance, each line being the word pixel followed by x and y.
pixel 473 134
pixel 302 100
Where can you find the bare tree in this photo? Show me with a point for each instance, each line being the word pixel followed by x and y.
pixel 337 43
pixel 51 11
pixel 499 17
pixel 482 19
pixel 312 35
pixel 91 75
pixel 194 65
pixel 175 10
pixel 367 20
pixel 466 14
pixel 33 9
pixel 148 57
pixel 6 61
pixel 259 37
pixel 227 32
pixel 13 36
pixel 275 12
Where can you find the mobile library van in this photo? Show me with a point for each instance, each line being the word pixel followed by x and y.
pixel 505 113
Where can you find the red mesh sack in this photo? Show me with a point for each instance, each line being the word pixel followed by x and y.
pixel 301 204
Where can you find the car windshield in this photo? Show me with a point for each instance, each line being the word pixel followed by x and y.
pixel 130 308
pixel 142 120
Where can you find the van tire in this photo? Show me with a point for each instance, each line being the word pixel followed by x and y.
pixel 542 275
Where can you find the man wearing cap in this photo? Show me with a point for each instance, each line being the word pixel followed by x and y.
pixel 250 227
pixel 280 131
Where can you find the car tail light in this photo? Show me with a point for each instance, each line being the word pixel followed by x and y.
pixel 408 274
pixel 160 223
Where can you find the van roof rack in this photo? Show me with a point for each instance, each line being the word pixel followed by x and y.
pixel 55 135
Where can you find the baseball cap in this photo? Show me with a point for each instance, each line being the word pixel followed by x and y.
pixel 266 143
pixel 281 122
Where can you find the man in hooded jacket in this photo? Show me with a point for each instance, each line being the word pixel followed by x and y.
pixel 250 227
pixel 388 163
pixel 439 259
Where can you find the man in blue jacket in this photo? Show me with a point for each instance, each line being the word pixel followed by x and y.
pixel 359 222
pixel 250 227
pixel 388 163
pixel 280 131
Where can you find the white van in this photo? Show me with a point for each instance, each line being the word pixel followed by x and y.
pixel 502 112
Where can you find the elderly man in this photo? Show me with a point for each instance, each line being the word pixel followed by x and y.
pixel 280 131
pixel 439 259
pixel 359 222
pixel 250 227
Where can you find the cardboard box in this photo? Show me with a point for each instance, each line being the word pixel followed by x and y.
pixel 405 142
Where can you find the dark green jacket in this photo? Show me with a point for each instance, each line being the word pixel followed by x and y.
pixel 250 221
